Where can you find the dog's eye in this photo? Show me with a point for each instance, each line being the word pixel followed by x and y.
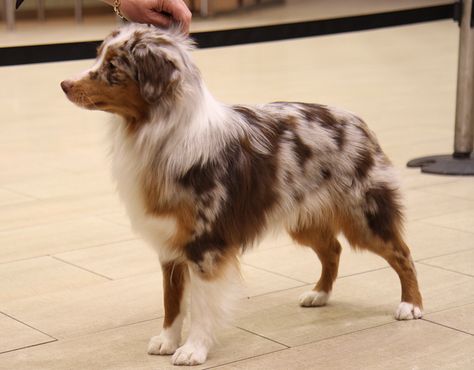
pixel 111 66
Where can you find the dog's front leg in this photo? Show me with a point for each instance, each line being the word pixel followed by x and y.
pixel 213 282
pixel 175 277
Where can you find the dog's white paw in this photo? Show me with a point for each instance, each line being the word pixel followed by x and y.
pixel 313 298
pixel 408 311
pixel 189 354
pixel 160 345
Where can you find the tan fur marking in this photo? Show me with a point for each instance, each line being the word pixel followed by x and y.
pixel 124 100
pixel 328 249
pixel 395 252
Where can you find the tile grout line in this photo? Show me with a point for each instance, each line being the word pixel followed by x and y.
pixel 262 336
pixel 300 345
pixel 314 282
pixel 363 272
pixel 26 347
pixel 24 323
pixel 245 359
pixel 420 260
pixel 445 269
pixel 80 267
pixel 29 196
pixel 70 251
pixel 51 223
pixel 425 220
pixel 275 273
pixel 277 291
pixel 448 327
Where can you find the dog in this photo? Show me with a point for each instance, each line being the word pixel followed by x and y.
pixel 202 181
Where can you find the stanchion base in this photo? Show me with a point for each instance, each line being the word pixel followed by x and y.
pixel 445 165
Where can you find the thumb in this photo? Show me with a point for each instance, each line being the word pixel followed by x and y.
pixel 159 19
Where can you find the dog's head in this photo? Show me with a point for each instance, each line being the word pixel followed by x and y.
pixel 137 67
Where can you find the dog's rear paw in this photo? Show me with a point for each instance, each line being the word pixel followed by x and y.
pixel 189 354
pixel 408 311
pixel 313 298
pixel 160 345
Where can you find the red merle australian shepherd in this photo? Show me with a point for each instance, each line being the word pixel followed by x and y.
pixel 202 180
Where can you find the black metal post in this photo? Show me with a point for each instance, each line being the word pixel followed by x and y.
pixel 461 161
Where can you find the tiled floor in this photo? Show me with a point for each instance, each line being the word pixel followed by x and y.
pixel 78 290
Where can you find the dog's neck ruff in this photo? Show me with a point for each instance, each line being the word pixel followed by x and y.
pixel 193 129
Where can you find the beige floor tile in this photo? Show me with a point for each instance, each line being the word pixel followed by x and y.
pixel 85 310
pixel 462 262
pixel 404 345
pixel 423 205
pixel 117 260
pixel 125 349
pixel 37 276
pixel 460 187
pixel 275 239
pixel 132 258
pixel 9 197
pixel 426 240
pixel 413 178
pixel 358 302
pixel 401 151
pixel 17 335
pixel 257 282
pixel 302 264
pixel 59 237
pixel 118 217
pixel 65 184
pixel 461 220
pixel 40 212
pixel 460 318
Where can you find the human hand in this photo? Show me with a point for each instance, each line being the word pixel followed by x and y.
pixel 157 12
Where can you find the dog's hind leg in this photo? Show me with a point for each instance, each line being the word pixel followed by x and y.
pixel 323 241
pixel 377 227
pixel 214 278
pixel 175 278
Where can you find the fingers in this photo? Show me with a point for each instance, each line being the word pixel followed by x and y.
pixel 160 13
pixel 159 19
pixel 179 11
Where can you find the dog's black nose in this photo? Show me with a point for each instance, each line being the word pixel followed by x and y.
pixel 66 86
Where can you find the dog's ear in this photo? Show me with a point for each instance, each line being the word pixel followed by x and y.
pixel 156 73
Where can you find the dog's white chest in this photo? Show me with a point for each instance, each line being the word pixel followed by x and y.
pixel 127 167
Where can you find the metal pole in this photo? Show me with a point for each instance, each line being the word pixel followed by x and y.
pixel 463 137
pixel 10 14
pixel 461 162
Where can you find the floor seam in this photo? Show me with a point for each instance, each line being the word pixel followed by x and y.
pixel 445 269
pixel 425 220
pixel 246 358
pixel 277 291
pixel 81 268
pixel 276 273
pixel 30 346
pixel 444 255
pixel 448 327
pixel 24 323
pixel 29 196
pixel 262 336
pixel 69 251
pixel 300 345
